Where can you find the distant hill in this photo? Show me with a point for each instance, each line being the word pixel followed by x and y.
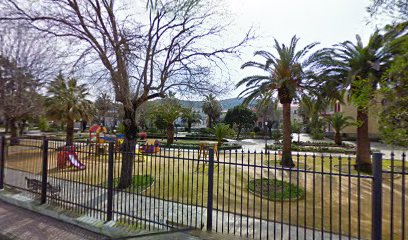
pixel 225 104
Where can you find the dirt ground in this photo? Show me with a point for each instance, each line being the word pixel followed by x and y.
pixel 333 202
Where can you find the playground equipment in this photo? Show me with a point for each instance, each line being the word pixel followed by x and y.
pixel 204 147
pixel 97 133
pixel 150 148
pixel 67 156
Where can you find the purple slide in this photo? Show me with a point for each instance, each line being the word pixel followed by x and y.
pixel 73 158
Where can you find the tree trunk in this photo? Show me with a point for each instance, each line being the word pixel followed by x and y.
pixel 21 126
pixel 298 137
pixel 239 132
pixel 69 140
pixel 7 124
pixel 13 132
pixel 287 141
pixel 337 138
pixel 189 127
pixel 170 133
pixel 209 121
pixel 128 148
pixel 363 158
pixel 83 125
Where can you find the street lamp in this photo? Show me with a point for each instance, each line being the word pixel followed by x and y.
pixel 266 133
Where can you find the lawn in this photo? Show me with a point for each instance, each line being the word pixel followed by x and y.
pixel 328 201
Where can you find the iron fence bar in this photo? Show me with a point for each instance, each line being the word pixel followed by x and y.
pixel 109 210
pixel 44 171
pixel 376 217
pixel 2 160
pixel 403 196
pixel 210 189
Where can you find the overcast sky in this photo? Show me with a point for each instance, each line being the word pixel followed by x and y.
pixel 325 21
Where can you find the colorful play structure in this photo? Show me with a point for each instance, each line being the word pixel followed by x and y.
pixel 97 133
pixel 98 138
pixel 150 147
pixel 68 157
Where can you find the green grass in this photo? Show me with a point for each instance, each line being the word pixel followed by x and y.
pixel 128 224
pixel 139 183
pixel 276 191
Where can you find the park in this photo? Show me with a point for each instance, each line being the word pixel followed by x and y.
pixel 132 119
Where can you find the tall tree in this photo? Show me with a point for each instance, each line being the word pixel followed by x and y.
pixel 67 103
pixel 289 73
pixel 103 104
pixel 397 9
pixel 394 87
pixel 212 108
pixel 27 58
pixel 240 117
pixel 144 55
pixel 359 68
pixel 18 93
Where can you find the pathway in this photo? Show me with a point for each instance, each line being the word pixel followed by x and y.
pixel 258 145
pixel 19 223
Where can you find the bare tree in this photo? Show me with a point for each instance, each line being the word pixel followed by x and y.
pixel 26 63
pixel 19 98
pixel 170 46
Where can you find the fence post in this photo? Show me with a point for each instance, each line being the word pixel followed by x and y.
pixel 2 160
pixel 376 207
pixel 109 210
pixel 210 189
pixel 44 180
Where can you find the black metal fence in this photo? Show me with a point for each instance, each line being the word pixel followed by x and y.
pixel 246 194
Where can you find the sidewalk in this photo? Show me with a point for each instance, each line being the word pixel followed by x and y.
pixel 19 223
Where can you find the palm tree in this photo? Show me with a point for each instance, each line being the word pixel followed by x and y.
pixel 190 116
pixel 359 68
pixel 339 122
pixel 212 108
pixel 167 112
pixel 67 103
pixel 221 131
pixel 289 73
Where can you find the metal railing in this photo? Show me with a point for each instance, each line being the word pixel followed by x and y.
pixel 246 194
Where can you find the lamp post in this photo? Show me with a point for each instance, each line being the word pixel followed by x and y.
pixel 266 133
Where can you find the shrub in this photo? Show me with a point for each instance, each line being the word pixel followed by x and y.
pixel 207 131
pixel 152 130
pixel 276 135
pixel 43 124
pixel 257 129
